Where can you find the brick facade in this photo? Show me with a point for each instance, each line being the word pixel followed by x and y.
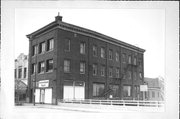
pixel 61 31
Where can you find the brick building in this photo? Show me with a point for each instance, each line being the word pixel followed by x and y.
pixel 71 62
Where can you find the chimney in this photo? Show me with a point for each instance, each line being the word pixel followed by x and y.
pixel 58 18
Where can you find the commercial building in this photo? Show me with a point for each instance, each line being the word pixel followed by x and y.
pixel 21 77
pixel 155 88
pixel 71 62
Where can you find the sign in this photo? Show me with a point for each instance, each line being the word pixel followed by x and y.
pixel 43 83
pixel 143 88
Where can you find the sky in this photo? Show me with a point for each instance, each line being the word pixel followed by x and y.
pixel 144 28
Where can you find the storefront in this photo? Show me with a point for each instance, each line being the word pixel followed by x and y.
pixel 43 94
pixel 74 90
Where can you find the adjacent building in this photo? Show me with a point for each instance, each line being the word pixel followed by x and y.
pixel 71 62
pixel 21 77
pixel 155 88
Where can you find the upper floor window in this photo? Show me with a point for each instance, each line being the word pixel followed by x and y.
pixel 135 61
pixel 33 69
pixel 110 71
pixel 135 75
pixel 82 67
pixel 140 75
pixel 94 69
pixel 41 67
pixel 34 50
pixel 117 57
pixel 67 45
pixel 50 44
pixel 66 65
pixel 25 72
pixel 82 48
pixel 42 47
pixel 124 58
pixel 102 52
pixel 94 50
pixel 49 65
pixel 20 72
pixel 117 72
pixel 129 59
pixel 110 54
pixel 15 71
pixel 102 70
pixel 129 75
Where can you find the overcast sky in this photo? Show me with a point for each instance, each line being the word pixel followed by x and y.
pixel 144 28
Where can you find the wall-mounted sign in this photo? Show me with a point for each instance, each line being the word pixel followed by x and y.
pixel 143 88
pixel 43 83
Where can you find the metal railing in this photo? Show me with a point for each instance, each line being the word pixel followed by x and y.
pixel 115 102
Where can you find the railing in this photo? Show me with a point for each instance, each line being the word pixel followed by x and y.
pixel 115 102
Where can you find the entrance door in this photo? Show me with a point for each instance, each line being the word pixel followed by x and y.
pixel 37 95
pixel 48 96
pixel 79 92
pixel 42 95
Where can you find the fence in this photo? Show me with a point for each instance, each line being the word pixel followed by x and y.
pixel 115 102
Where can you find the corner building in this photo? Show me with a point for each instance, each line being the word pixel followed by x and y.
pixel 71 62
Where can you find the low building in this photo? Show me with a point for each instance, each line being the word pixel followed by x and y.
pixel 21 77
pixel 71 62
pixel 155 88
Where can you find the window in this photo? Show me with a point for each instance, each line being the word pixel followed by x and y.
pixel 15 71
pixel 50 44
pixel 136 90
pixel 115 90
pixel 67 45
pixel 25 72
pixel 94 69
pixel 42 47
pixel 129 59
pixel 33 69
pixel 153 94
pixel 82 48
pixel 135 61
pixel 117 57
pixel 20 72
pixel 135 75
pixel 117 72
pixel 49 65
pixel 34 50
pixel 124 58
pixel 41 67
pixel 140 75
pixel 126 91
pixel 110 54
pixel 98 89
pixel 82 67
pixel 102 53
pixel 110 71
pixel 102 70
pixel 66 65
pixel 94 50
pixel 129 75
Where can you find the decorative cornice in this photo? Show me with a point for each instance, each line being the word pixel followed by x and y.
pixel 83 31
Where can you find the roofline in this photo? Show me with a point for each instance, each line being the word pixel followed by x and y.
pixel 83 30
